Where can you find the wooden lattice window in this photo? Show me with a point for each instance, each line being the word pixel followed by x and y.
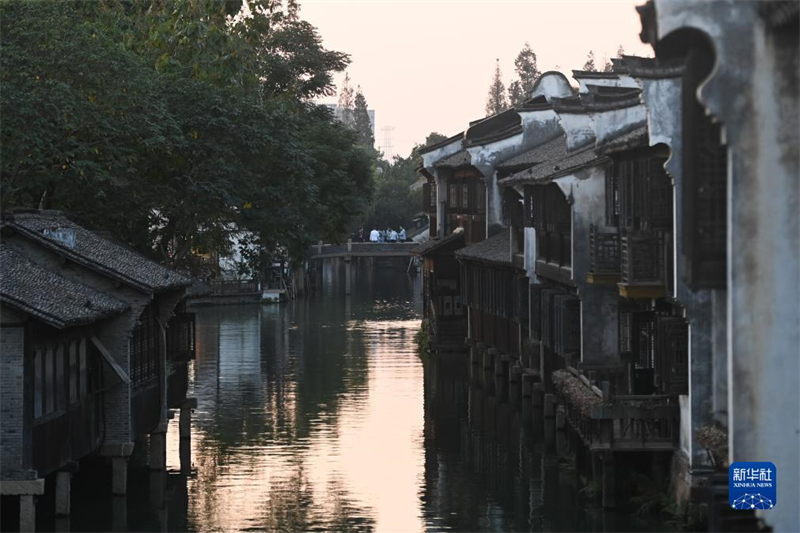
pixel 536 310
pixel 673 354
pixel 181 337
pixel 452 196
pixel 567 339
pixel 645 194
pixel 146 346
pixel 705 183
pixel 612 196
pixel 552 218
pixel 529 206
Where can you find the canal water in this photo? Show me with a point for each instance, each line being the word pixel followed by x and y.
pixel 319 415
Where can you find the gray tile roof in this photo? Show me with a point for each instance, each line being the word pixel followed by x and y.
pixel 434 146
pixel 627 141
pixel 495 249
pixel 60 302
pixel 97 253
pixel 555 168
pixel 546 151
pixel 648 67
pixel 458 159
pixel 437 242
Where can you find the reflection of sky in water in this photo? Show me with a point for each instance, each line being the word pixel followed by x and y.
pixel 310 414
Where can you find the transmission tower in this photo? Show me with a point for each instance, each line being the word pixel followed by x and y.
pixel 386 146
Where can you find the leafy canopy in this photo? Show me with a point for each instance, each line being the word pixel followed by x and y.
pixel 173 123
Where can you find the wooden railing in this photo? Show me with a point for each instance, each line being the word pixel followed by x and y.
pixel 642 257
pixel 620 422
pixel 233 287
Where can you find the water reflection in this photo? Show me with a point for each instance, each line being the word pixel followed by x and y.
pixel 310 414
pixel 319 415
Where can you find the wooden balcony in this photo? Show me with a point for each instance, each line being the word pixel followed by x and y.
pixel 643 270
pixel 235 287
pixel 613 422
pixel 604 257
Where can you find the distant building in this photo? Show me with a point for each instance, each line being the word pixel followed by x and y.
pixel 337 112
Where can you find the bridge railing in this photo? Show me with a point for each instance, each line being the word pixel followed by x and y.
pixel 366 248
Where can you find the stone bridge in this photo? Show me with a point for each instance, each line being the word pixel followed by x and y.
pixel 362 249
pixel 353 252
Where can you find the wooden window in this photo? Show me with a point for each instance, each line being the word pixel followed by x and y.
pixel 466 185
pixel 480 203
pixel 146 347
pixel 452 198
pixel 612 196
pixel 83 374
pixel 705 184
pixel 38 383
pixel 49 380
pixel 673 354
pixel 61 382
pixel 73 371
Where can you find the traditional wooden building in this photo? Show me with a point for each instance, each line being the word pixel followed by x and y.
pixel 442 306
pixel 55 374
pixel 494 294
pixel 146 353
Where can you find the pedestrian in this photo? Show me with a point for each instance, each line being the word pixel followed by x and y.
pixel 360 236
pixel 393 236
pixel 374 236
pixel 402 236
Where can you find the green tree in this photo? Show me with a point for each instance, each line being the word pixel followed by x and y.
pixel 170 123
pixel 496 101
pixel 527 73
pixel 396 204
pixel 589 66
pixel 361 122
pixel 346 102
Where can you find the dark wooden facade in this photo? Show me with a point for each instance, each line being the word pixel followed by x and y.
pixel 180 350
pixel 639 201
pixel 498 304
pixel 441 294
pixel 466 204
pixel 547 210
pixel 147 366
pixel 705 184
pixel 429 205
pixel 66 383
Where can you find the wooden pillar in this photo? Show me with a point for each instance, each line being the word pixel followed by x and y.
pixel 119 475
pixel 119 514
pixel 609 481
pixel 27 513
pixel 185 432
pixel 348 275
pixel 63 492
pixel 158 449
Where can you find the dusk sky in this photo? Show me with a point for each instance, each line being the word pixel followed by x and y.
pixel 426 66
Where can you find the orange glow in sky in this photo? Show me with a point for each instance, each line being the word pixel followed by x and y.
pixel 426 66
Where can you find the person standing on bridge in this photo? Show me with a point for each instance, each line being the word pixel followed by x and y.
pixel 402 235
pixel 373 236
pixel 392 236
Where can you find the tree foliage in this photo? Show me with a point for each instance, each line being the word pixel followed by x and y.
pixel 172 122
pixel 346 102
pixel 527 73
pixel 496 101
pixel 361 122
pixel 396 204
pixel 589 66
